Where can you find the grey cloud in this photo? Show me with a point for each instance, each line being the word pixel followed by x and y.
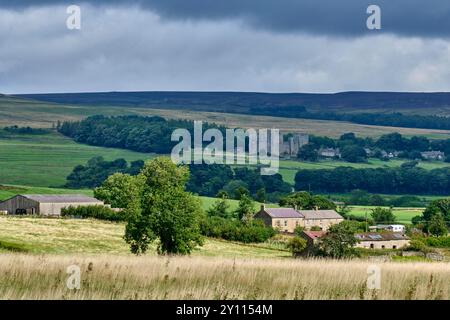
pixel 112 52
pixel 329 17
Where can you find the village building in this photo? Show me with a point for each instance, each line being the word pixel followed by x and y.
pixel 329 153
pixel 389 227
pixel 312 239
pixel 46 205
pixel 433 155
pixel 287 219
pixel 383 240
pixel 292 145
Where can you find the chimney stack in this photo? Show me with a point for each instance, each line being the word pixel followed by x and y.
pixel 316 208
pixel 295 207
pixel 263 206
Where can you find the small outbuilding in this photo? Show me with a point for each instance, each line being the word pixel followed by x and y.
pixel 46 205
pixel 382 240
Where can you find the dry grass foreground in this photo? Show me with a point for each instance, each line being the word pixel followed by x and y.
pixel 125 277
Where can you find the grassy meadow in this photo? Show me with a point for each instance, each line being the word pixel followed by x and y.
pixel 46 160
pixel 33 235
pixel 120 277
pixel 403 215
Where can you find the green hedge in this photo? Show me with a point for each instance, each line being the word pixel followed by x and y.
pixel 96 212
pixel 235 230
pixel 438 242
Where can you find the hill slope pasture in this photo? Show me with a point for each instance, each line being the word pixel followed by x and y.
pixel 46 160
pixel 35 235
pixel 25 112
pixel 35 254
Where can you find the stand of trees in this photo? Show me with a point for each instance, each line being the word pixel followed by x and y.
pixel 403 180
pixel 137 133
pixel 211 180
pixel 98 169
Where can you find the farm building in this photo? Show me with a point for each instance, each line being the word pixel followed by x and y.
pixel 47 205
pixel 383 240
pixel 287 219
pixel 312 239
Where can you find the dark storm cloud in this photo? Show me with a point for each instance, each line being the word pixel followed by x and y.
pixel 330 17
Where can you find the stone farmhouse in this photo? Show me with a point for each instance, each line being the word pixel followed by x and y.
pixel 433 155
pixel 46 205
pixel 287 219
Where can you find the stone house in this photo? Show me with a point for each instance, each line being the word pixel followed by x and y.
pixel 287 219
pixel 433 155
pixel 329 153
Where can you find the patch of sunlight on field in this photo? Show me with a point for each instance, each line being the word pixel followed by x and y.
pixel 88 236
pixel 403 215
pixel 46 160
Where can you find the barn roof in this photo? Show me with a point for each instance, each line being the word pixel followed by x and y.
pixel 320 214
pixel 61 198
pixel 380 236
pixel 314 234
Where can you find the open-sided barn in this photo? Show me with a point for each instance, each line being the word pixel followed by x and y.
pixel 47 205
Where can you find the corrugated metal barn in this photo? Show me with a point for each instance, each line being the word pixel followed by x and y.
pixel 47 205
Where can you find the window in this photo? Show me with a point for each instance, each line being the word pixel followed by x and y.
pixel 383 247
pixel 371 246
pixel 285 223
pixel 394 247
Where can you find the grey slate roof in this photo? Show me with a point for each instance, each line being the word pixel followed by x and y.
pixel 382 236
pixel 320 214
pixel 61 198
pixel 283 213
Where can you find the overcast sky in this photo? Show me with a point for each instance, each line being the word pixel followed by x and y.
pixel 229 45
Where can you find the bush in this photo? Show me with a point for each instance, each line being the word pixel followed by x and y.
pixel 297 246
pixel 235 230
pixel 416 245
pixel 438 242
pixel 96 212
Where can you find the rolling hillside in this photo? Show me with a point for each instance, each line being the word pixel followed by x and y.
pixel 26 112
pixel 242 102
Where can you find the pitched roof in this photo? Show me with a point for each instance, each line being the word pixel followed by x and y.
pixel 320 214
pixel 283 213
pixel 61 198
pixel 380 236
pixel 314 234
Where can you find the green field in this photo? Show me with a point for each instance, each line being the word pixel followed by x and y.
pixel 403 215
pixel 46 160
pixel 288 168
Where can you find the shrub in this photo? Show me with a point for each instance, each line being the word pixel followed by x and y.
pixel 438 242
pixel 235 230
pixel 416 245
pixel 297 246
pixel 96 212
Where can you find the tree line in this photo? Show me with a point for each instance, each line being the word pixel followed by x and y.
pixel 205 180
pixel 395 119
pixel 402 180
pixel 137 133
